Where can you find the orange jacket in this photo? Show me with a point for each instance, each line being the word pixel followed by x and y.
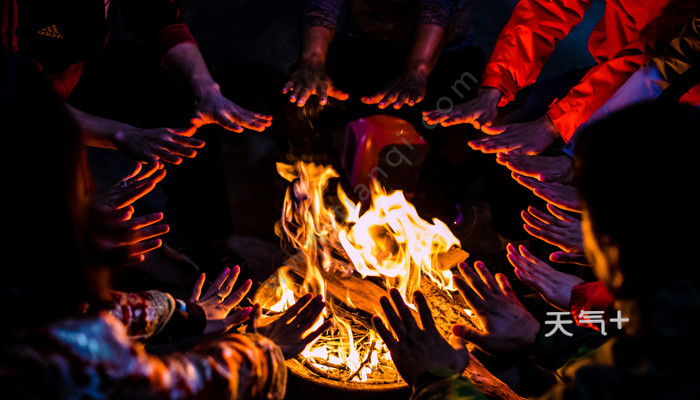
pixel 624 39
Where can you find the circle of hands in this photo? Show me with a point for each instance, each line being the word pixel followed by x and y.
pixel 503 323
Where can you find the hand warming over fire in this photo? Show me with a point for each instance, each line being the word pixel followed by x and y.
pixel 415 350
pixel 526 138
pixel 546 169
pixel 558 229
pixel 310 78
pixel 118 238
pixel 408 88
pixel 289 331
pixel 213 108
pixel 505 325
pixel 480 112
pixel 563 196
pixel 218 301
pixel 554 286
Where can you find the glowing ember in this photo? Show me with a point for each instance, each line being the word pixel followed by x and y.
pixel 388 242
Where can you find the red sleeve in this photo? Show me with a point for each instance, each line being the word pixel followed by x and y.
pixel 594 89
pixel 591 296
pixel 527 41
pixel 173 35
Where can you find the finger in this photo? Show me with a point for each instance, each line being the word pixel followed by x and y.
pixel 166 156
pixel 311 314
pixel 468 333
pixel 435 117
pixel 143 221
pixel 227 286
pixel 254 318
pixel 373 99
pixel 322 93
pixel 474 281
pixel 313 335
pixel 294 310
pixel 145 234
pixel 473 300
pixel 148 170
pixel 393 318
pixel 217 284
pixel 197 290
pixel 226 121
pixel 540 219
pixel 303 96
pixel 486 276
pixel 384 333
pixel 426 317
pixel 505 286
pixel 409 321
pixel 554 210
pixel 338 94
pixel 400 100
pixel 144 247
pixel 233 300
pixel 185 132
pixel 135 172
pixel 569 258
pixel 238 317
pixel 528 256
pixel 288 87
pixel 494 130
pixel 496 144
pixel 388 99
pixel 188 141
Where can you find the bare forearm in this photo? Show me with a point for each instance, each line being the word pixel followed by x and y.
pixel 98 131
pixel 186 62
pixel 314 44
pixel 427 46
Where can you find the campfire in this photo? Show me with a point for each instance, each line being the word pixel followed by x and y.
pixel 353 256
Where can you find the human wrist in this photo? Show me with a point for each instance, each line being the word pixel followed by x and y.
pixel 490 95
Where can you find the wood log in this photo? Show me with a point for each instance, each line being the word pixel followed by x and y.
pixel 447 309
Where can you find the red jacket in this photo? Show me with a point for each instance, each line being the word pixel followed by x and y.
pixel 625 38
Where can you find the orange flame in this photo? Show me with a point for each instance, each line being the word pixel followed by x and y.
pixel 389 240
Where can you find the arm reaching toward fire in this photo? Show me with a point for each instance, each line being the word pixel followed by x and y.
pixel 417 350
pixel 505 325
pixel 288 331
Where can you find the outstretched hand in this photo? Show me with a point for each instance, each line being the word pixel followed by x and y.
pixel 408 88
pixel 215 108
pixel 554 286
pixel 218 301
pixel 480 112
pixel 526 138
pixel 563 196
pixel 310 78
pixel 415 350
pixel 117 237
pixel 557 228
pixel 546 169
pixel 158 144
pixel 289 331
pixel 505 325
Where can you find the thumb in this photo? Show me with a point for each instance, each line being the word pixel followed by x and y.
pixel 468 333
pixel 238 317
pixel 568 258
pixel 254 316
pixel 457 342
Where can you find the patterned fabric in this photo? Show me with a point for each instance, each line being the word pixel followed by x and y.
pixel 393 19
pixel 144 314
pixel 91 357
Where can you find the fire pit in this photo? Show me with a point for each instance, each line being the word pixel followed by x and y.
pixel 352 257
